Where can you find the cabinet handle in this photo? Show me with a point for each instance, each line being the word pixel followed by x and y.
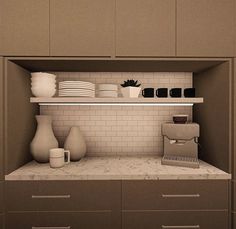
pixel 51 227
pixel 181 196
pixel 50 197
pixel 181 227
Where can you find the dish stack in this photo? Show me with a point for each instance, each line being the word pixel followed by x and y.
pixel 43 84
pixel 107 90
pixel 76 89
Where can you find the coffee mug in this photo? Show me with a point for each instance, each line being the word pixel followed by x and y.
pixel 189 92
pixel 176 92
pixel 162 92
pixel 57 157
pixel 148 92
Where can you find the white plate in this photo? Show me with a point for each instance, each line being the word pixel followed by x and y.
pixel 77 87
pixel 75 82
pixel 107 87
pixel 76 93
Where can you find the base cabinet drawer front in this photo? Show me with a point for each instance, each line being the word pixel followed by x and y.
pixel 174 195
pixel 175 220
pixel 59 220
pixel 62 195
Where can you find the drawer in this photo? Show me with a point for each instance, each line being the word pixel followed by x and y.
pixel 62 195
pixel 175 220
pixel 59 220
pixel 175 195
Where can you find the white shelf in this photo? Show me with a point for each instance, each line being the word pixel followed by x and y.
pixel 115 101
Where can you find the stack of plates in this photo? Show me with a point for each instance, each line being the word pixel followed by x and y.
pixel 108 90
pixel 76 89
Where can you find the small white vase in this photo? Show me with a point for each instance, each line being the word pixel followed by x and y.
pixel 75 143
pixel 130 92
pixel 44 139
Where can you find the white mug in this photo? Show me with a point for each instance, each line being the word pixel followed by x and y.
pixel 57 157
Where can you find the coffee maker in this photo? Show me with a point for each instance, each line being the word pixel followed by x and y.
pixel 181 144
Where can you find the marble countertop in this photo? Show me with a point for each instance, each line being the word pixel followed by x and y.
pixel 116 168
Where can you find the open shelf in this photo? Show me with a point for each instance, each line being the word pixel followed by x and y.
pixel 128 101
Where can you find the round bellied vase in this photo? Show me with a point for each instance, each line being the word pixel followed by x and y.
pixel 75 143
pixel 44 139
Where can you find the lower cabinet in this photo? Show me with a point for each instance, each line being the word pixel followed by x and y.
pixel 199 204
pixel 175 220
pixel 59 220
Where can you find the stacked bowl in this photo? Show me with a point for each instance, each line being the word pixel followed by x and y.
pixel 43 84
pixel 107 90
pixel 76 89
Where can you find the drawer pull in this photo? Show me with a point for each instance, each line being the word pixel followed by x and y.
pixel 180 227
pixel 51 197
pixel 181 196
pixel 51 227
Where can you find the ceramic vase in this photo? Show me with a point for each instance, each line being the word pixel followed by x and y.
pixel 44 139
pixel 75 143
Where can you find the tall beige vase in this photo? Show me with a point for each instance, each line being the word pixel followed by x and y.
pixel 75 143
pixel 44 139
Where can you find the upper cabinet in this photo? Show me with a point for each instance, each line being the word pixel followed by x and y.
pixel 205 28
pixel 24 26
pixel 81 27
pixel 1 121
pixel 145 28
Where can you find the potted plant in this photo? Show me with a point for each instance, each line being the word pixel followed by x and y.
pixel 130 89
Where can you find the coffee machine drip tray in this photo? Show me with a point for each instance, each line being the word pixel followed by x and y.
pixel 191 162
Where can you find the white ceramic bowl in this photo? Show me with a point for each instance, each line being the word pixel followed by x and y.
pixel 43 84
pixel 107 87
pixel 108 94
pixel 44 80
pixel 36 75
pixel 42 92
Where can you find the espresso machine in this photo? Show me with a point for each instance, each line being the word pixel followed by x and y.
pixel 181 144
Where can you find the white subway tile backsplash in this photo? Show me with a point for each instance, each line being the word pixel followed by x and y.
pixel 119 130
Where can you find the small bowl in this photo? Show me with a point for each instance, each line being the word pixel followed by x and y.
pixel 43 92
pixel 180 119
pixel 37 75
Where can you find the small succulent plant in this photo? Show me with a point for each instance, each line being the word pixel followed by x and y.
pixel 130 83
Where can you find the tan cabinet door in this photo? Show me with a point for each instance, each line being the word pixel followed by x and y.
pixel 1 118
pixel 81 27
pixel 145 28
pixel 24 27
pixel 205 28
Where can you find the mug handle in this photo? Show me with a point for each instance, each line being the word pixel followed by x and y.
pixel 68 156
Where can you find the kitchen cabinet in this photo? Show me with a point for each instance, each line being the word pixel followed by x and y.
pixel 66 204
pixel 24 27
pixel 62 195
pixel 1 118
pixel 186 195
pixel 81 28
pixel 60 220
pixel 175 219
pixel 205 28
pixel 145 28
